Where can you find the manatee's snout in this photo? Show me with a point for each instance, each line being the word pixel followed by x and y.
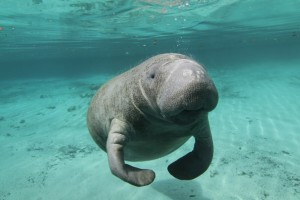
pixel 187 89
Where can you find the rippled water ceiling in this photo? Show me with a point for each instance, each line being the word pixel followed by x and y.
pixel 33 21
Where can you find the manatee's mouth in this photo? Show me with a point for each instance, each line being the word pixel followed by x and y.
pixel 186 116
pixel 190 113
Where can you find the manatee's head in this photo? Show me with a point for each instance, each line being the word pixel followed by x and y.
pixel 179 89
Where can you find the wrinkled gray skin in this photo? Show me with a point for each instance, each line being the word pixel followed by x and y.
pixel 150 111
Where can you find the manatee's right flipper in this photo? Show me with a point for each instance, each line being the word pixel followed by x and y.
pixel 117 138
pixel 197 161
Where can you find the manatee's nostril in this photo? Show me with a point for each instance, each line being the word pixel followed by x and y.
pixel 152 76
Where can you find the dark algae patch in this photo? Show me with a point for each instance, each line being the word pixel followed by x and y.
pixel 73 151
pixel 72 108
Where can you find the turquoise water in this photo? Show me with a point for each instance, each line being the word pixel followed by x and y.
pixel 54 55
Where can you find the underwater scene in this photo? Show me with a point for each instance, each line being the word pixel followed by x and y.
pixel 56 54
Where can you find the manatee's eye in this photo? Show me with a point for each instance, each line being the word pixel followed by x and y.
pixel 152 75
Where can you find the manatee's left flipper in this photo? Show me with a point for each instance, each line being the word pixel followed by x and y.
pixel 197 161
pixel 116 143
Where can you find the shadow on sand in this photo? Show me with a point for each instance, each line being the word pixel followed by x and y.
pixel 180 190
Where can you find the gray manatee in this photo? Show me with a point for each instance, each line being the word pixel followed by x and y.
pixel 150 111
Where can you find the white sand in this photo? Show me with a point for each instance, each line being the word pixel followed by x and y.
pixel 50 155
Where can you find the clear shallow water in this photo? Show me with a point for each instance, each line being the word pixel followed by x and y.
pixel 54 53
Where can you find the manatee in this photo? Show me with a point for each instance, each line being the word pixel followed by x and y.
pixel 151 110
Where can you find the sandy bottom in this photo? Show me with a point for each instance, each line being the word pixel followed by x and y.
pixel 47 153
